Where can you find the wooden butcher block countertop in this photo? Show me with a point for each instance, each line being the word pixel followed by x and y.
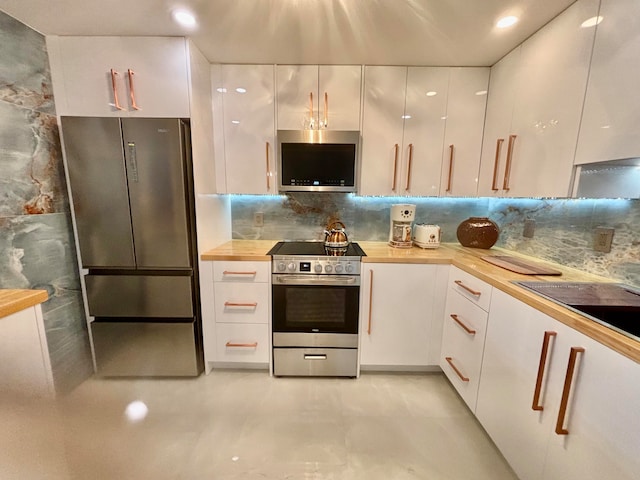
pixel 12 301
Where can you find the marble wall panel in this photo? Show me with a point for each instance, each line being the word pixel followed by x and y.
pixel 564 228
pixel 37 248
pixel 25 79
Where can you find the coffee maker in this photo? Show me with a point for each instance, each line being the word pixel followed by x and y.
pixel 402 215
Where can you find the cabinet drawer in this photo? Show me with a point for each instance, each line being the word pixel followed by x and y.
pixel 244 303
pixel 242 343
pixel 463 337
pixel 241 272
pixel 471 287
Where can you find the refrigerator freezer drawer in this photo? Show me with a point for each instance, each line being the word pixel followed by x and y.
pixel 139 296
pixel 145 349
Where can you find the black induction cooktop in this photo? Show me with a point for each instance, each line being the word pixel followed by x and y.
pixel 316 249
pixel 614 305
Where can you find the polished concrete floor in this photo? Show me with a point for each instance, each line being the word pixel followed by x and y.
pixel 247 425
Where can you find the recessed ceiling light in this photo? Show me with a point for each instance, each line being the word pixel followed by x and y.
pixel 505 22
pixel 406 116
pixel 481 92
pixel 591 22
pixel 235 122
pixel 431 94
pixel 241 90
pixel 184 18
pixel 221 90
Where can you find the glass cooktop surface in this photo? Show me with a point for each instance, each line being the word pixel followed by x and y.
pixel 314 249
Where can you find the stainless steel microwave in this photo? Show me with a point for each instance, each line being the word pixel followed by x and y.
pixel 318 160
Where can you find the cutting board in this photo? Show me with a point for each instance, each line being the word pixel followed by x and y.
pixel 519 265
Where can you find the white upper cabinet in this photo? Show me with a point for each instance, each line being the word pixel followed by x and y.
pixel 244 109
pixel 466 104
pixel 611 115
pixel 406 122
pixel 403 130
pixel 540 86
pixel 120 76
pixel 318 97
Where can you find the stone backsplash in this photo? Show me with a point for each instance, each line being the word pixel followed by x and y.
pixel 564 228
pixel 37 248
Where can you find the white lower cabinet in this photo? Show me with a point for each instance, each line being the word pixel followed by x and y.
pixel 465 325
pixel 242 306
pixel 593 435
pixel 401 313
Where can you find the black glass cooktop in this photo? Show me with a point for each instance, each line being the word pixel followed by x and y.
pixel 314 249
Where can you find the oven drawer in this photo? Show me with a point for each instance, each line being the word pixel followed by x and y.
pixel 242 343
pixel 320 362
pixel 241 272
pixel 248 303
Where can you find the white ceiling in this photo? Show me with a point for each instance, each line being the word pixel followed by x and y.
pixel 383 32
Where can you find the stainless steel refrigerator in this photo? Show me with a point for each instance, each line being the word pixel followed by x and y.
pixel 131 184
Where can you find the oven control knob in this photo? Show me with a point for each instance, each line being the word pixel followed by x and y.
pixel 282 266
pixel 348 268
pixel 318 268
pixel 328 268
pixel 292 267
pixel 339 268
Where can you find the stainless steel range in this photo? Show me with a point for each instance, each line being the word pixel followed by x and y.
pixel 315 308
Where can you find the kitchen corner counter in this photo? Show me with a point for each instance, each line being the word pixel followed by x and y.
pixel 242 250
pixel 12 301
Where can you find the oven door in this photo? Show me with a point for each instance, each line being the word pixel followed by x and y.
pixel 315 303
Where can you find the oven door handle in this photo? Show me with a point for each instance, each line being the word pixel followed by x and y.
pixel 312 280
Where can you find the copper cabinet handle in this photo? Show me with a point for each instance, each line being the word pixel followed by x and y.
pixel 507 168
pixel 395 167
pixel 494 184
pixel 227 272
pixel 370 300
pixel 310 109
pixel 470 331
pixel 326 109
pixel 450 168
pixel 566 391
pixel 132 92
pixel 235 304
pixel 245 345
pixel 116 102
pixel 268 169
pixel 470 290
pixel 409 167
pixel 543 361
pixel 455 369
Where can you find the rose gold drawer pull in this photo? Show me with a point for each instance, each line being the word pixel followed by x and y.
pixel 494 184
pixel 242 345
pixel 268 168
pixel 543 361
pixel 409 167
pixel 470 331
pixel 450 168
pixel 311 110
pixel 507 168
pixel 226 272
pixel 470 290
pixel 566 391
pixel 455 369
pixel 116 102
pixel 395 167
pixel 132 92
pixel 235 304
pixel 370 300
pixel 326 109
